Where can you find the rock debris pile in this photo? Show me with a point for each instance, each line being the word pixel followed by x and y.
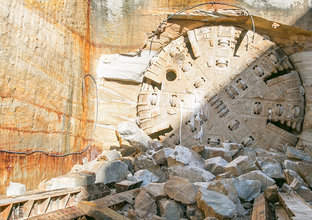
pixel 204 182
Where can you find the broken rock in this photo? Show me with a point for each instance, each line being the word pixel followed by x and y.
pixel 144 205
pixel 271 167
pixel 155 190
pixel 134 135
pixel 15 189
pixel 241 165
pixel 271 194
pixel 193 174
pixel 71 180
pixel 247 189
pixel 160 157
pixel 294 153
pixel 290 165
pixel 291 175
pixel 215 204
pixel 215 165
pixel 108 171
pixel 259 175
pixel 305 171
pixel 185 156
pixel 211 152
pixel 145 176
pixel 170 209
pixel 109 155
pixel 180 189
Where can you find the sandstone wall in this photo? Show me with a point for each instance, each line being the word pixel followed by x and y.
pixel 44 54
pixel 47 47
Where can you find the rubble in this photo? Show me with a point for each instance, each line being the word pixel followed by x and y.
pixel 181 190
pixel 211 152
pixel 259 175
pixel 160 157
pixel 193 174
pixel 271 194
pixel 15 189
pixel 134 135
pixel 294 153
pixel 185 156
pixel 271 167
pixel 108 171
pixel 215 204
pixel 169 209
pixel 241 165
pixel 305 171
pixel 247 190
pixel 155 190
pixel 145 176
pixel 215 165
pixel 290 175
pixel 145 206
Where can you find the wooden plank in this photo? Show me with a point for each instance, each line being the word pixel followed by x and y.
pixel 115 199
pixel 126 185
pixel 100 211
pixel 68 213
pixel 261 209
pixel 6 212
pixel 295 206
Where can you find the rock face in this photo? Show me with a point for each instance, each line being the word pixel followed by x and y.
pixel 144 205
pixel 134 135
pixel 170 209
pixel 271 167
pixel 181 190
pixel 215 204
pixel 241 165
pixel 15 189
pixel 193 174
pixel 108 172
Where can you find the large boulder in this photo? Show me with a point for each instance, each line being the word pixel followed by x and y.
pixel 71 180
pixel 15 189
pixel 108 171
pixel 193 174
pixel 145 176
pixel 271 167
pixel 215 165
pixel 211 152
pixel 180 189
pixel 170 209
pixel 146 162
pixel 144 205
pixel 259 175
pixel 134 135
pixel 241 165
pixel 290 165
pixel 291 175
pixel 215 204
pixel 155 190
pixel 185 156
pixel 305 171
pixel 295 153
pixel 160 157
pixel 247 189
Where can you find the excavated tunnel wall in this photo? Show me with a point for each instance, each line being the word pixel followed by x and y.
pixel 48 46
